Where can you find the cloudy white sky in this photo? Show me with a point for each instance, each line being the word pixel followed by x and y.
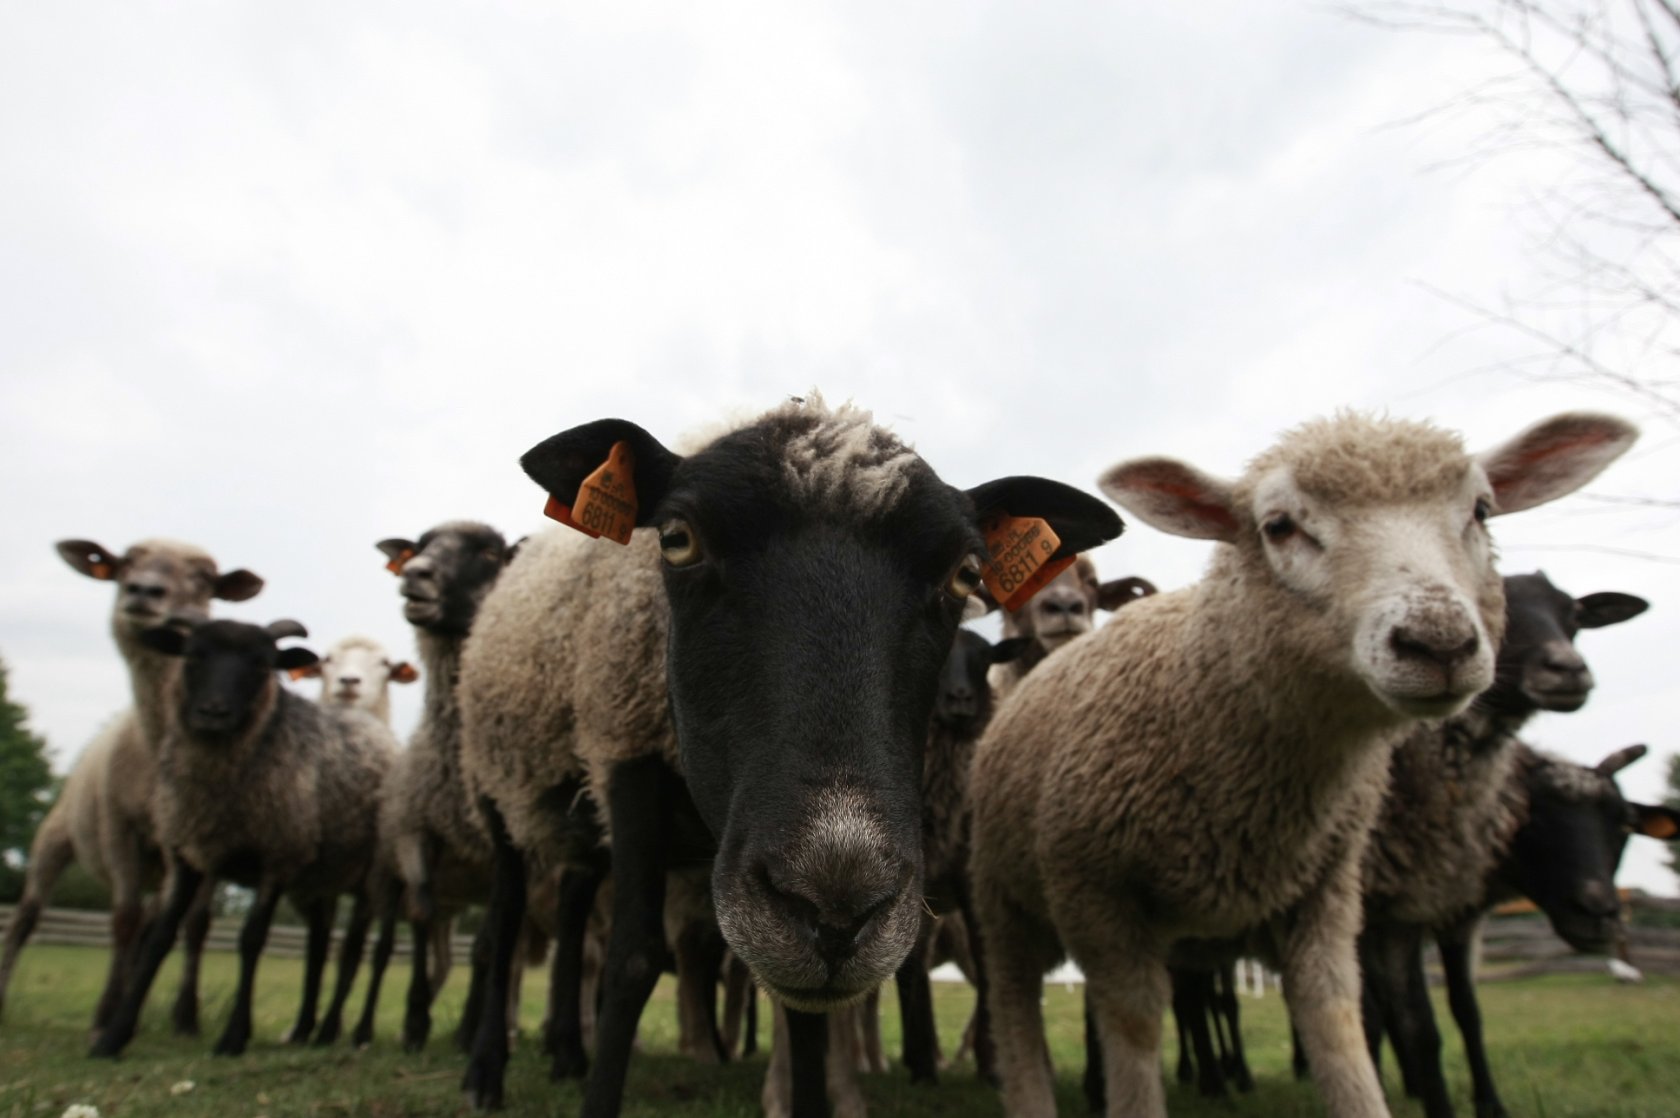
pixel 285 281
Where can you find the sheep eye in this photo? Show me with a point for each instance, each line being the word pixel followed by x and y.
pixel 965 580
pixel 1484 509
pixel 1279 528
pixel 678 543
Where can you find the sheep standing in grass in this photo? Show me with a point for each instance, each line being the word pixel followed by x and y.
pixel 441 852
pixel 103 817
pixel 1211 761
pixel 785 622
pixel 259 786
pixel 357 672
pixel 1454 804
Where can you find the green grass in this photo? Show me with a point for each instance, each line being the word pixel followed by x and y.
pixel 1567 1046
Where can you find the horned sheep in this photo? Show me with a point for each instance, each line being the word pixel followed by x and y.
pixel 259 786
pixel 785 622
pixel 1211 761
pixel 103 818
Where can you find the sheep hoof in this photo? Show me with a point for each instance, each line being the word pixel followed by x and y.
pixel 109 1044
pixel 233 1042
pixel 482 1084
pixel 327 1034
pixel 569 1062
pixel 362 1037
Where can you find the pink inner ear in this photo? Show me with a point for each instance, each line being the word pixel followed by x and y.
pixel 1193 500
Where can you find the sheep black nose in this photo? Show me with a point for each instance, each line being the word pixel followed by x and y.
pixel 1562 658
pixel 832 924
pixel 1445 649
pixel 213 709
pixel 349 680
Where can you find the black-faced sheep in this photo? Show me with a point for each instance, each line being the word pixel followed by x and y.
pixel 1453 807
pixel 262 787
pixel 1211 761
pixel 103 817
pixel 785 621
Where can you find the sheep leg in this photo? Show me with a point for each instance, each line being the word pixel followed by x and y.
pixel 184 1017
pixel 160 937
pixel 1185 1071
pixel 417 1017
pixel 1096 1087
pixel 808 1045
pixel 1129 991
pixel 1455 944
pixel 128 927
pixel 563 1037
pixel 362 1036
pixel 443 952
pixel 1014 991
pixel 49 856
pixel 1321 978
pixel 699 951
pixel 484 1078
pixel 318 916
pixel 1298 1054
pixel 749 1045
pixel 847 1040
pixel 252 937
pixel 736 981
pixel 639 809
pixel 1192 1006
pixel 466 1030
pixel 349 960
pixel 915 1007
pixel 1416 1038
pixel 980 1027
pixel 1226 1005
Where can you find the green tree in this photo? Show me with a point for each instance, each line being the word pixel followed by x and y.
pixel 1673 801
pixel 25 777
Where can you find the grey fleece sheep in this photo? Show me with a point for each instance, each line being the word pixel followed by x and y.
pixel 103 817
pixel 1211 761
pixel 260 786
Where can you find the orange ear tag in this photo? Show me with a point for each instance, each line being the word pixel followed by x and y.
pixel 102 571
pixel 1020 565
pixel 295 674
pixel 606 500
pixel 395 566
pixel 1660 827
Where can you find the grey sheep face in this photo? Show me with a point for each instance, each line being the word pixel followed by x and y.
pixel 1373 534
pixel 816 570
pixel 446 574
pixel 156 580
pixel 228 681
pixel 1539 667
pixel 1565 855
pixel 1067 608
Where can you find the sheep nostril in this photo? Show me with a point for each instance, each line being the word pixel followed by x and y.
pixel 1448 652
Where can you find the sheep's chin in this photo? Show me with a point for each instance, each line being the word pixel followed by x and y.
pixel 816 1001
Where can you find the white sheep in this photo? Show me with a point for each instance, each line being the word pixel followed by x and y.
pixel 357 673
pixel 1210 762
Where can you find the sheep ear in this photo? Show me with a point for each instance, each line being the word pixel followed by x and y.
pixel 165 639
pixel 90 559
pixel 1175 497
pixel 1656 821
pixel 308 671
pixel 513 552
pixel 1078 519
pixel 404 672
pixel 295 657
pixel 1620 759
pixel 1554 458
pixel 397 551
pixel 1013 648
pixel 1117 592
pixel 560 463
pixel 236 586
pixel 1608 607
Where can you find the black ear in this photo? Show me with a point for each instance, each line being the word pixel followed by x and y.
pixel 1012 648
pixel 1080 520
pixel 1608 607
pixel 396 549
pixel 236 586
pixel 560 462
pixel 513 552
pixel 89 558
pixel 291 659
pixel 1656 821
pixel 1117 592
pixel 164 639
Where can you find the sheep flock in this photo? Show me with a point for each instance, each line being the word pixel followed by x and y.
pixel 725 718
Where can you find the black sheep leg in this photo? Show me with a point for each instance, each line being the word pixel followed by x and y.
pixel 184 1017
pixel 382 948
pixel 1095 1082
pixel 808 1059
pixel 319 917
pixel 1234 1061
pixel 639 810
pixel 915 1005
pixel 1395 955
pixel 349 961
pixel 985 1052
pixel 252 937
pixel 487 1068
pixel 1461 995
pixel 1193 1006
pixel 564 1037
pixel 466 1029
pixel 160 937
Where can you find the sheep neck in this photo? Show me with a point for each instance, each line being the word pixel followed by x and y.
pixel 441 658
pixel 151 677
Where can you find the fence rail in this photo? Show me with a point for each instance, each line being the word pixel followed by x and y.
pixel 69 927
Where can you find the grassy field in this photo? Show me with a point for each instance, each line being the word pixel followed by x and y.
pixel 1568 1046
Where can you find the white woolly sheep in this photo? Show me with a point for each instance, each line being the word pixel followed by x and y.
pixel 786 623
pixel 259 786
pixel 1211 761
pixel 357 673
pixel 103 817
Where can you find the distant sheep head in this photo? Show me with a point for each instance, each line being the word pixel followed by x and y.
pixel 446 574
pixel 228 681
pixel 157 579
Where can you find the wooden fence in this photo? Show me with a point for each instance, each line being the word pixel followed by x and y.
pixel 79 928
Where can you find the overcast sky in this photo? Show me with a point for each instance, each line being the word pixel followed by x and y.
pixel 284 281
